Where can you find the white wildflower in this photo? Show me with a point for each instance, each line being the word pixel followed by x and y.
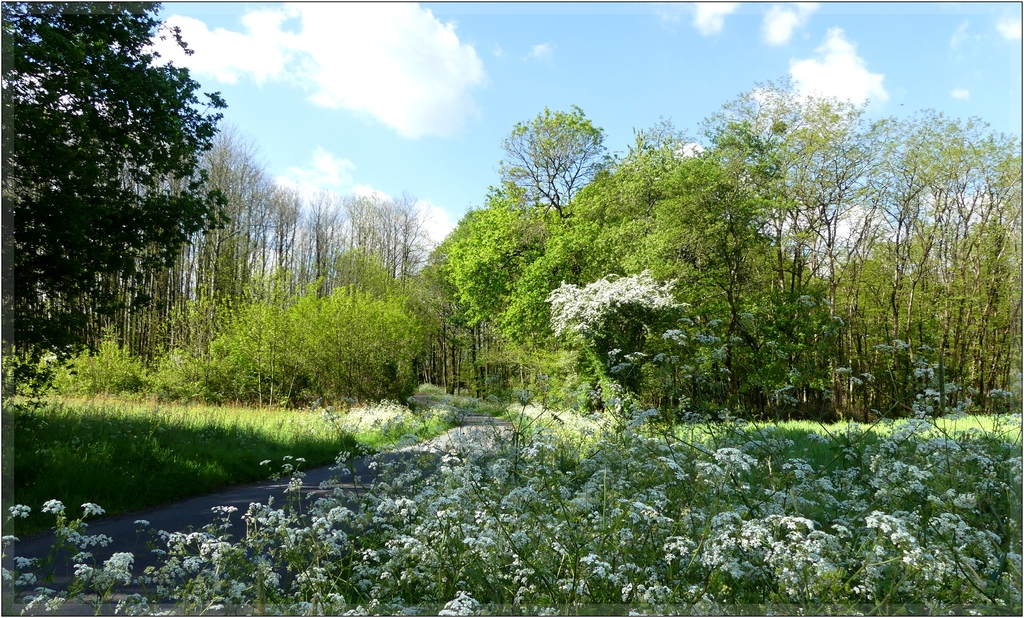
pixel 119 566
pixel 92 509
pixel 966 501
pixel 733 458
pixel 462 605
pixel 26 579
pixel 53 506
pixel 81 557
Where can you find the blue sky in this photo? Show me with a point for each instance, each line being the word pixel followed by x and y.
pixel 417 98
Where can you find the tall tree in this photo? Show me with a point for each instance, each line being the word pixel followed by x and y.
pixel 101 153
pixel 551 157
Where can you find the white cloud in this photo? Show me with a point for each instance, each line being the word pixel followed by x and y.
pixel 839 72
pixel 959 36
pixel 689 149
pixel 542 51
pixel 395 62
pixel 436 222
pixel 961 93
pixel 226 55
pixel 325 171
pixel 498 51
pixel 1009 27
pixel 709 17
pixel 779 22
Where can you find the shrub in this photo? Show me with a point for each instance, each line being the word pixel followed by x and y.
pixel 611 318
pixel 179 376
pixel 112 370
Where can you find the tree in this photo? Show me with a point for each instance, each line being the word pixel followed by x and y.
pixel 552 157
pixel 487 253
pixel 101 164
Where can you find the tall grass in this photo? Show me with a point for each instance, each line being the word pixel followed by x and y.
pixel 826 445
pixel 132 455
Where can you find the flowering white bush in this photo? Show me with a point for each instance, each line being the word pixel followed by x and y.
pixel 588 310
pixel 611 318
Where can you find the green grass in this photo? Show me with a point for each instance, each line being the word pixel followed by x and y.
pixel 126 455
pixel 430 389
pixel 490 406
pixel 849 439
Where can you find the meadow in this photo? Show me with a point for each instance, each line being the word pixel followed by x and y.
pixel 582 513
pixel 796 258
pixel 129 455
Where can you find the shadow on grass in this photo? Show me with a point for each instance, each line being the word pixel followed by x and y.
pixel 129 462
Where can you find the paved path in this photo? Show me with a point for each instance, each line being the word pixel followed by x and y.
pixel 195 513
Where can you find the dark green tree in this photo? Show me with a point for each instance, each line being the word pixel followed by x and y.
pixel 101 164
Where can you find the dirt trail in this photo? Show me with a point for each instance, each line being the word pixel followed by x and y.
pixel 193 514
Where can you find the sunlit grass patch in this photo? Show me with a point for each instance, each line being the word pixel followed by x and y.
pixel 381 425
pixel 1007 427
pixel 829 444
pixel 132 455
pixel 437 397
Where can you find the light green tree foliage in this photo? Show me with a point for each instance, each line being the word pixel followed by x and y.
pixel 708 231
pixel 444 318
pixel 551 157
pixel 824 259
pixel 888 224
pixel 944 269
pixel 363 270
pixel 361 347
pixel 700 219
pixel 360 342
pixel 249 356
pixel 112 370
pixel 488 252
pixel 612 217
pixel 350 344
pixel 811 160
pixel 505 259
pixel 489 263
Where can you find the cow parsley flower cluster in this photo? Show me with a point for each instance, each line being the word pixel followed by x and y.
pixel 701 519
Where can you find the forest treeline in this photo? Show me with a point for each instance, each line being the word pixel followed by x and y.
pixel 798 260
pixel 288 298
